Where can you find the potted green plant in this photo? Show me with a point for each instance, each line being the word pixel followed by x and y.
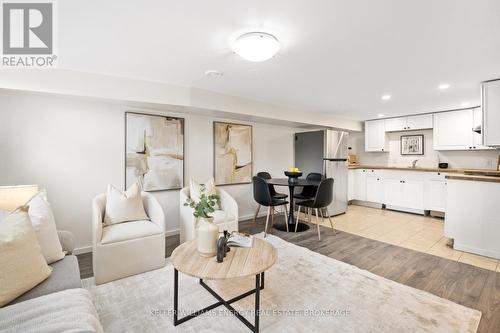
pixel 206 230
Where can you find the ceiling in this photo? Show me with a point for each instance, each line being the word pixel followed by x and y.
pixel 337 57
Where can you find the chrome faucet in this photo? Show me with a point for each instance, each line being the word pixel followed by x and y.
pixel 414 164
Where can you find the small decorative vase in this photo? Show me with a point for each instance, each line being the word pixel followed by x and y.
pixel 207 234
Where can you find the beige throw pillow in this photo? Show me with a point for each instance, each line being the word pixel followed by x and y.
pixel 43 222
pixel 195 189
pixel 124 206
pixel 22 263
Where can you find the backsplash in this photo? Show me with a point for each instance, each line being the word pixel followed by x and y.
pixel 480 159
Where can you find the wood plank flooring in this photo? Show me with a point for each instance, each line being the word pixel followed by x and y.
pixel 468 285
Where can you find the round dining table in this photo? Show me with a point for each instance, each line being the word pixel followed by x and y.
pixel 291 187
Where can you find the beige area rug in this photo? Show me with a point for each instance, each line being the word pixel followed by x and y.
pixel 304 292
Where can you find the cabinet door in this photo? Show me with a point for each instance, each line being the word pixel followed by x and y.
pixel 437 195
pixel 359 189
pixel 413 194
pixel 423 121
pixel 393 192
pixel 491 108
pixel 477 138
pixel 395 124
pixel 375 135
pixel 453 130
pixel 350 184
pixel 374 189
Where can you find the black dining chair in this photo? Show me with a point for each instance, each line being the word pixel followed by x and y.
pixel 262 196
pixel 274 194
pixel 322 199
pixel 309 192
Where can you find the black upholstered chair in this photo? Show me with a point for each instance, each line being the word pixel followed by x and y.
pixel 274 194
pixel 262 196
pixel 322 199
pixel 309 192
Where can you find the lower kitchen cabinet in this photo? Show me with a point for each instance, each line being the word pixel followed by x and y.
pixel 374 188
pixel 437 195
pixel 359 186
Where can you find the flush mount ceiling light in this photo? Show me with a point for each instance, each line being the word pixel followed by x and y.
pixel 214 74
pixel 256 46
pixel 380 115
pixel 464 104
pixel 443 86
pixel 386 97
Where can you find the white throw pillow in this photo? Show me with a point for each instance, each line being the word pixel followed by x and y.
pixel 195 190
pixel 22 263
pixel 124 206
pixel 43 222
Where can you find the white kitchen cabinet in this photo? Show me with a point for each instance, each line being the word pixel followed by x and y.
pixel 375 139
pixel 418 122
pixel 413 194
pixel 477 138
pixel 350 184
pixel 404 190
pixel 393 192
pixel 453 130
pixel 490 92
pixel 437 195
pixel 359 186
pixel 395 124
pixel 374 186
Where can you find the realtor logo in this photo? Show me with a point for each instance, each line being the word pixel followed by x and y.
pixel 28 29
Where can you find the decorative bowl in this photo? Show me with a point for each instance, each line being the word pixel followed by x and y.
pixel 292 176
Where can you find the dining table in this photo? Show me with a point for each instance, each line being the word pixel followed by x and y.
pixel 291 183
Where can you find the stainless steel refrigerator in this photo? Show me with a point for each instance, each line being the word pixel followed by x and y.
pixel 325 152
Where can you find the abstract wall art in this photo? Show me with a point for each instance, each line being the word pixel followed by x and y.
pixel 232 153
pixel 154 151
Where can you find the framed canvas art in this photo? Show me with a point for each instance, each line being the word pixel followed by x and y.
pixel 412 144
pixel 233 158
pixel 154 151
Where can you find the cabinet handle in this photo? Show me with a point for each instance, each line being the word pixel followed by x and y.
pixel 470 147
pixel 474 147
pixel 439 173
pixel 373 170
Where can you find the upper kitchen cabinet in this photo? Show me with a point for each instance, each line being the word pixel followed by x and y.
pixel 375 139
pixel 477 138
pixel 423 121
pixel 491 111
pixel 453 130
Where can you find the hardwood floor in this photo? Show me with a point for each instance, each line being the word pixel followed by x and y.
pixel 468 285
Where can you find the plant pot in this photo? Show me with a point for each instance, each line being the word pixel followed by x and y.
pixel 207 234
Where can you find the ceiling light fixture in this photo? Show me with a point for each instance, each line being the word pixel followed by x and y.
pixel 256 46
pixel 380 115
pixel 443 86
pixel 213 74
pixel 464 104
pixel 386 97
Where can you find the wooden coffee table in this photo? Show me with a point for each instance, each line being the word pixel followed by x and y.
pixel 239 262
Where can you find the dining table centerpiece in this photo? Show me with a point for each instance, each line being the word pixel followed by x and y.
pixel 207 232
pixel 293 174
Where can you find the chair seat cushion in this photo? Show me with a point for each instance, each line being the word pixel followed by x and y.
pixel 305 203
pixel 303 197
pixel 129 230
pixel 221 216
pixel 280 195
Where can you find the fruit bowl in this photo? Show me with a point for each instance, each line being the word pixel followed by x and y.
pixel 293 175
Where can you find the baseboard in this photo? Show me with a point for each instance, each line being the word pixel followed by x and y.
pixel 172 232
pixel 82 250
pixel 472 249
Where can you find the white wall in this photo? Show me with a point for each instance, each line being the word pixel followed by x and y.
pixel 75 147
pixel 431 158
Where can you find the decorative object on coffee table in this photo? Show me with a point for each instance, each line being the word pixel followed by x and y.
pixel 221 248
pixel 240 262
pixel 207 232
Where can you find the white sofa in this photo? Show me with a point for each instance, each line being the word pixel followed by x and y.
pixel 226 218
pixel 128 248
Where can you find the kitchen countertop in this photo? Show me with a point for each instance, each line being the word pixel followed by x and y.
pixel 482 175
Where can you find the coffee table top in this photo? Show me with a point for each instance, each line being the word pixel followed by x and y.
pixel 238 262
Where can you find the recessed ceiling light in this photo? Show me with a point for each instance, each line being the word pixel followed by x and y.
pixel 443 86
pixel 214 74
pixel 386 97
pixel 380 115
pixel 465 104
pixel 256 46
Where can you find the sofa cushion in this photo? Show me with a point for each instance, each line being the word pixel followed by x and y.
pixel 65 275
pixel 221 216
pixel 22 265
pixel 44 224
pixel 69 310
pixel 130 230
pixel 124 206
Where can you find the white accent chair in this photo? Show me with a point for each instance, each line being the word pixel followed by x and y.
pixel 128 248
pixel 226 218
